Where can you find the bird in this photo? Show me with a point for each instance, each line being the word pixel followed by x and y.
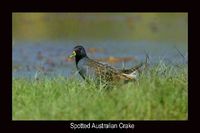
pixel 91 69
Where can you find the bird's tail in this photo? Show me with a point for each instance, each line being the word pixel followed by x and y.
pixel 140 67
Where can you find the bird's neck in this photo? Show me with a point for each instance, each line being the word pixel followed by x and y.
pixel 78 58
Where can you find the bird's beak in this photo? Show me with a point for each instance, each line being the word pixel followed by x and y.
pixel 73 54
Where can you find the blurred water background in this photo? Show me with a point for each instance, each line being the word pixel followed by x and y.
pixel 42 41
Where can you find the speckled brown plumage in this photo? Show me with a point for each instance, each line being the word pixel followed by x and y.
pixel 89 68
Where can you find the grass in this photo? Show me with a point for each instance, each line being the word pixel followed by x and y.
pixel 159 94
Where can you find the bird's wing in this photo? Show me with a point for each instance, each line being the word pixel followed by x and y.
pixel 103 70
pixel 109 73
pixel 101 67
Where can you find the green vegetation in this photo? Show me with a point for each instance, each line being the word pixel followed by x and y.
pixel 161 93
pixel 101 26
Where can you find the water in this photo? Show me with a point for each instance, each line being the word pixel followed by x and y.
pixel 33 59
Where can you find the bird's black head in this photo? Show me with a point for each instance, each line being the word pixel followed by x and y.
pixel 79 53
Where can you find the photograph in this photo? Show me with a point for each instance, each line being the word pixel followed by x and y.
pixel 130 66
